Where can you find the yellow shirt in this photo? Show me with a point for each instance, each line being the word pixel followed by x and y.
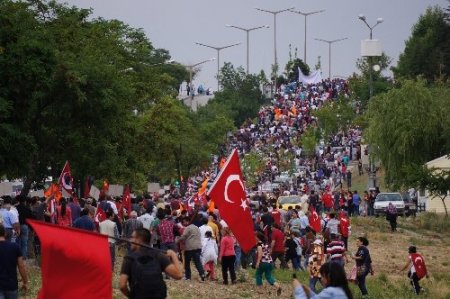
pixel 215 229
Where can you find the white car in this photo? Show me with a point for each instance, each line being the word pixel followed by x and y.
pixel 383 199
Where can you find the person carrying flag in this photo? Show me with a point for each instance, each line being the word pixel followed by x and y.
pixel 417 268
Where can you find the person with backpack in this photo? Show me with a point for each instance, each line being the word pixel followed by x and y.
pixel 141 272
pixel 417 268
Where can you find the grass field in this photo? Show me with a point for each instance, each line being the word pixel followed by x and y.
pixel 429 232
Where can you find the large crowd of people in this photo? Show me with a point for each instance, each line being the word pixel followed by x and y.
pixel 187 228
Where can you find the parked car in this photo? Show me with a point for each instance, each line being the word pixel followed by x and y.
pixel 384 198
pixel 410 205
pixel 292 200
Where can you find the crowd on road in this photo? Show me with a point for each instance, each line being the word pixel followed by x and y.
pixel 185 227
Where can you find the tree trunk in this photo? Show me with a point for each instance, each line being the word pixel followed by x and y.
pixel 445 206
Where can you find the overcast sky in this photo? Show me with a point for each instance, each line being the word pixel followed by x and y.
pixel 176 25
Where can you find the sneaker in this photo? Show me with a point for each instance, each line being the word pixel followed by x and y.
pixel 203 277
pixel 185 278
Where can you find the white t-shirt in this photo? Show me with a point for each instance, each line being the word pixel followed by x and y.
pixel 146 220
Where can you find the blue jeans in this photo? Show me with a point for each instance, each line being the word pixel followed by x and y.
pixel 193 255
pixel 237 251
pixel 312 283
pixel 9 294
pixel 24 232
pixel 362 283
pixel 112 250
pixel 356 210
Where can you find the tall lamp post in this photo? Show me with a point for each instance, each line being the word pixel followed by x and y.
pixel 379 21
pixel 306 14
pixel 372 183
pixel 247 30
pixel 274 13
pixel 218 49
pixel 329 51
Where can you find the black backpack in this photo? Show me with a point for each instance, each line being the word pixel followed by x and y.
pixel 146 280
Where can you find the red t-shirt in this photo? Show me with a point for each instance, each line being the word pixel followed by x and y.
pixel 276 217
pixel 344 225
pixel 327 200
pixel 278 237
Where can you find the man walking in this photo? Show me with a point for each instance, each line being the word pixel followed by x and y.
pixel 10 260
pixel 109 227
pixel 193 248
pixel 140 276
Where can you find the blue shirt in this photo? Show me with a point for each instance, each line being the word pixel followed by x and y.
pixel 327 293
pixel 84 222
pixel 356 199
pixel 8 218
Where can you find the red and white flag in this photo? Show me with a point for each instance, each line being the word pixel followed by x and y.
pixel 100 215
pixel 65 179
pixel 314 220
pixel 228 193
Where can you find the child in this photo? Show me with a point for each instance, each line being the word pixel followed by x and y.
pixel 417 268
pixel 209 255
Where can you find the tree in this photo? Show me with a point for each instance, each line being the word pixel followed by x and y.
pixel 241 92
pixel 66 92
pixel 292 67
pixel 427 51
pixel 333 116
pixel 435 181
pixel 408 126
pixel 359 83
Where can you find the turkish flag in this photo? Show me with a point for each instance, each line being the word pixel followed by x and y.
pixel 419 265
pixel 75 263
pixel 100 215
pixel 314 220
pixel 229 196
pixel 65 179
pixel 126 199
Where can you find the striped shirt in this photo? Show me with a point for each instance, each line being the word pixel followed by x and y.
pixel 336 249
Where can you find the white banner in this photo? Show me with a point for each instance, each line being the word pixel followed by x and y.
pixel 313 78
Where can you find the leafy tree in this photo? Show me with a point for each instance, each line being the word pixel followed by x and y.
pixel 309 141
pixel 359 83
pixel 435 181
pixel 69 85
pixel 427 51
pixel 240 92
pixel 334 115
pixel 409 126
pixel 252 167
pixel 292 67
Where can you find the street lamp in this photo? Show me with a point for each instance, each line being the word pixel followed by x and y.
pixel 329 51
pixel 372 169
pixel 247 30
pixel 218 49
pixel 274 13
pixel 305 14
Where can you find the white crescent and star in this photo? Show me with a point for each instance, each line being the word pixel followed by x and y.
pixel 230 179
pixel 66 186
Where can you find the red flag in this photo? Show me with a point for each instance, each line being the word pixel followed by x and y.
pixel 126 199
pixel 85 259
pixel 314 220
pixel 65 179
pixel 419 265
pixel 100 215
pixel 228 193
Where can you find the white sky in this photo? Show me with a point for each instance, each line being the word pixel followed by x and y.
pixel 176 25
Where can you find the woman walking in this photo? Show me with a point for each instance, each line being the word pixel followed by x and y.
pixel 227 256
pixel 363 263
pixel 264 263
pixel 391 216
